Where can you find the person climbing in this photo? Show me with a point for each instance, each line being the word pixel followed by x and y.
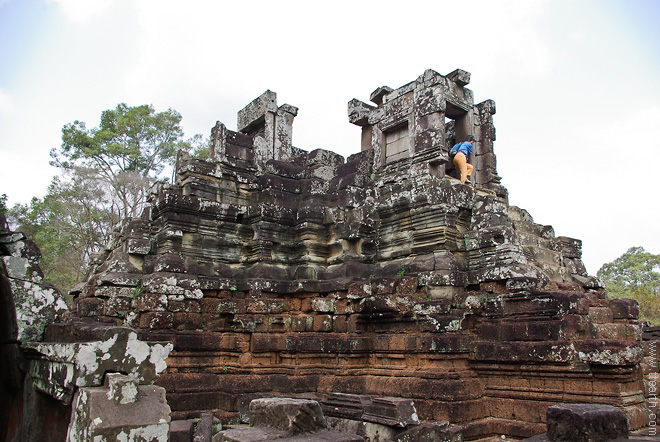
pixel 460 159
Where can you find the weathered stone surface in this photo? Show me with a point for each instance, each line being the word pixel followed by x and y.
pixel 285 419
pixel 294 416
pixel 269 434
pixel 100 414
pixel 431 432
pixel 396 412
pixel 58 368
pixel 349 406
pixel 274 271
pixel 31 305
pixel 203 428
pixel 182 430
pixel 624 308
pixel 368 430
pixel 586 423
pixel 122 389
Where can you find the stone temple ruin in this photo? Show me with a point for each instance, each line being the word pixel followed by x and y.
pixel 377 287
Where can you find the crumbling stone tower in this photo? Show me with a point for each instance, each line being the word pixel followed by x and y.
pixel 277 271
pixel 420 120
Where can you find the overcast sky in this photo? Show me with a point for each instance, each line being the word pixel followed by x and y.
pixel 576 83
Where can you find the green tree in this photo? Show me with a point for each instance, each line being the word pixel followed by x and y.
pixel 3 205
pixel 129 150
pixel 635 275
pixel 199 147
pixel 69 225
pixel 107 172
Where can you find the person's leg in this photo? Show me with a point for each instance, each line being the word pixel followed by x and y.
pixel 470 168
pixel 461 162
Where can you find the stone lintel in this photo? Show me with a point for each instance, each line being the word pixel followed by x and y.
pixel 58 367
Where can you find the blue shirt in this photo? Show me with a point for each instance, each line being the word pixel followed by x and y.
pixel 464 147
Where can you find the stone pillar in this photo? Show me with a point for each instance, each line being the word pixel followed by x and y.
pixel 377 146
pixel 218 142
pixel 358 114
pixel 428 132
pixel 282 142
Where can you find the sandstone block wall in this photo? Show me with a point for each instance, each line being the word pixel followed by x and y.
pixel 276 271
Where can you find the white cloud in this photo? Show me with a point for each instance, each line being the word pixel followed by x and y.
pixel 81 11
pixel 508 37
pixel 213 58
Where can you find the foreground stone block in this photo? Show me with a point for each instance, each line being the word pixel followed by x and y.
pixel 120 411
pixel 368 430
pixel 343 405
pixel 203 428
pixel 432 432
pixel 182 430
pixel 285 419
pixel 392 411
pixel 293 416
pixel 586 423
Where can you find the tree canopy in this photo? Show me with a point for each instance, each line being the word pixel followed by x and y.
pixel 635 275
pixel 3 204
pixel 106 175
pixel 129 151
pixel 69 225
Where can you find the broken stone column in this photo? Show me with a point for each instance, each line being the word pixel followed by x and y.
pixel 121 410
pixel 218 144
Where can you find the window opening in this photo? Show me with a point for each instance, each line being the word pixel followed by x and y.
pixel 397 143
